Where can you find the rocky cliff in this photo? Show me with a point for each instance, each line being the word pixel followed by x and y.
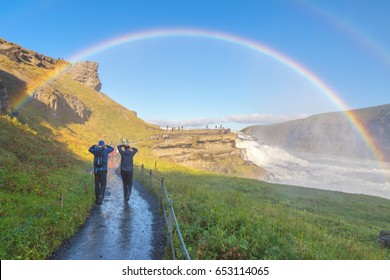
pixel 331 133
pixel 61 106
pixel 21 69
pixel 211 150
pixel 4 105
pixel 21 55
pixel 86 73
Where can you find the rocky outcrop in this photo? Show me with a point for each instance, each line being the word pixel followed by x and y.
pixel 4 105
pixel 65 107
pixel 57 104
pixel 21 55
pixel 11 88
pixel 86 73
pixel 82 72
pixel 210 150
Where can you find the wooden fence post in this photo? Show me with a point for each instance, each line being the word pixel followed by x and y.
pixel 150 178
pixel 162 192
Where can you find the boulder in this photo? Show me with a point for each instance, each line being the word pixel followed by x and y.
pixel 384 238
pixel 384 233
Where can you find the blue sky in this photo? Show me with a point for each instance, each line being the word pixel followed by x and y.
pixel 188 81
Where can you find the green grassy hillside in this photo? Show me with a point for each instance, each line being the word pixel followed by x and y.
pixel 34 172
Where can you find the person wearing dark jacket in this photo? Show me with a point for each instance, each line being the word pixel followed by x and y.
pixel 100 153
pixel 127 155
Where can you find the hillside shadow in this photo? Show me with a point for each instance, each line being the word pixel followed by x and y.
pixel 46 102
pixel 11 89
pixel 30 111
pixel 63 108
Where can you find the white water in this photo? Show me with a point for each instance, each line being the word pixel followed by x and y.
pixel 318 171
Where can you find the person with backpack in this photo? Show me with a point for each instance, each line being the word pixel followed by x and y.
pixel 127 168
pixel 100 161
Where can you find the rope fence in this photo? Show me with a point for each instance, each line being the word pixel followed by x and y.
pixel 161 193
pixel 167 205
pixel 55 205
pixel 26 224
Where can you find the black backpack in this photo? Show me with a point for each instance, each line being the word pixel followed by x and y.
pixel 99 159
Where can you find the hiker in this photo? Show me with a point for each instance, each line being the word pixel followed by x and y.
pixel 127 168
pixel 100 152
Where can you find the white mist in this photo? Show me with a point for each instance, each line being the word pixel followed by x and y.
pixel 317 171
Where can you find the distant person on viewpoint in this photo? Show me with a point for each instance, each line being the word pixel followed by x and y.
pixel 100 161
pixel 127 168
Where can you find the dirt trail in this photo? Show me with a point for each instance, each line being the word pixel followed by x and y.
pixel 118 230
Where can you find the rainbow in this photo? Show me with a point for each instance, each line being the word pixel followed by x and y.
pixel 245 43
pixel 22 99
pixel 248 44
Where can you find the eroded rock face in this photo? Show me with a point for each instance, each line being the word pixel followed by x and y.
pixel 211 150
pixel 83 72
pixel 4 106
pixel 86 73
pixel 19 54
pixel 62 106
pixel 57 104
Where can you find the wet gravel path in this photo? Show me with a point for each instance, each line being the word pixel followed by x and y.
pixel 119 230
